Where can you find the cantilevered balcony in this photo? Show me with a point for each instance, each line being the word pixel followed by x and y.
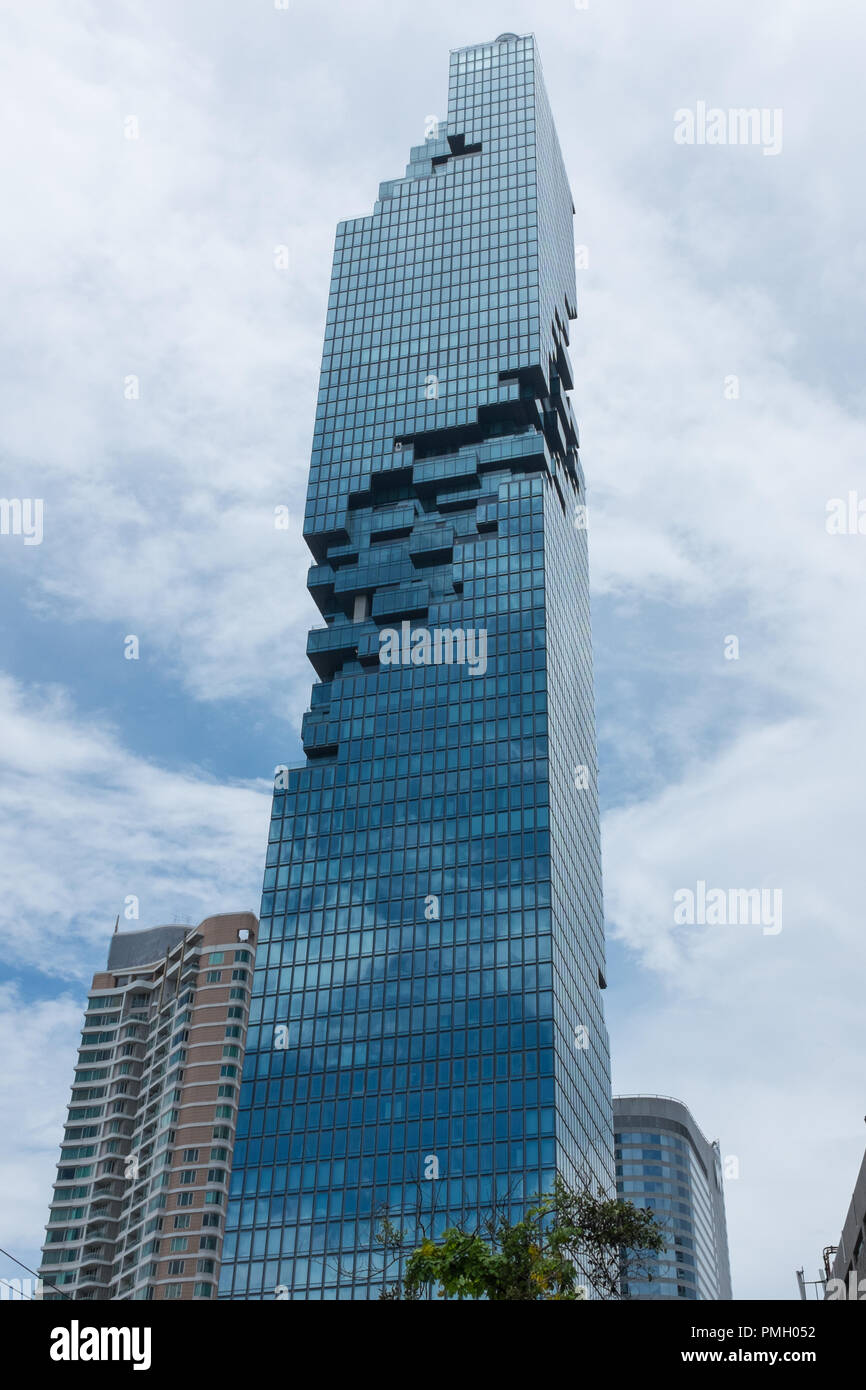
pixel 329 647
pixel 403 601
pixel 431 545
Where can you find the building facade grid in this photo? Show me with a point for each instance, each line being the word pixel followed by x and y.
pixel 427 1038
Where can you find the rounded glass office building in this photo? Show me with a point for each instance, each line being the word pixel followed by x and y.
pixel 664 1163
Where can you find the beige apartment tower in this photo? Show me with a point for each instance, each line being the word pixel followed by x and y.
pixel 138 1209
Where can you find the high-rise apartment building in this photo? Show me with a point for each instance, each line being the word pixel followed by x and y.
pixel 426 1033
pixel 663 1162
pixel 139 1201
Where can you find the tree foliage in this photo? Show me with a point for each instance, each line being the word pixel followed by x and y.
pixel 570 1243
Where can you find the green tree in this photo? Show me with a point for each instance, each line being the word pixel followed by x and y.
pixel 572 1240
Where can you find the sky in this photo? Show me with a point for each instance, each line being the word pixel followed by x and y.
pixel 172 178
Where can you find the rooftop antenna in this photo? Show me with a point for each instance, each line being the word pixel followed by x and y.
pixel 116 923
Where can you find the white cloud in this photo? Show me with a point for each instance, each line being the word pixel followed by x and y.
pixel 85 824
pixel 756 1032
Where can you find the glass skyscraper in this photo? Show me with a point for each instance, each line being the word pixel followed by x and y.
pixel 664 1163
pixel 427 1037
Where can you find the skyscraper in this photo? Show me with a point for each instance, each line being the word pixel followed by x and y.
pixel 427 1036
pixel 663 1162
pixel 139 1200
